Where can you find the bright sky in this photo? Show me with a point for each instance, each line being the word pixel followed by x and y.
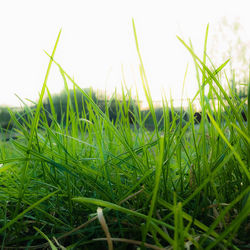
pixel 97 39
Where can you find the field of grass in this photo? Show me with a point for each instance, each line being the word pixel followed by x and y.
pixel 93 183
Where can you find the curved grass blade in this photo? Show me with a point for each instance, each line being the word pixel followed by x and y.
pixel 145 82
pixel 116 207
pixel 237 156
pixel 212 76
pixel 123 210
pixel 53 247
pixel 156 186
pixel 111 126
pixel 39 104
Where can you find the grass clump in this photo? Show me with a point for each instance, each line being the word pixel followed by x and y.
pixel 91 182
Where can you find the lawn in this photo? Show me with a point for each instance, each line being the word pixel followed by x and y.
pixel 94 183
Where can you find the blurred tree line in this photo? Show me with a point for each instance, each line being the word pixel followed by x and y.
pixel 4 117
pixel 55 107
pixel 118 110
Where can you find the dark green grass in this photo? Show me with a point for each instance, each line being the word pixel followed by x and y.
pixel 179 186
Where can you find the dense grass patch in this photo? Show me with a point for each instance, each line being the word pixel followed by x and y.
pixel 91 182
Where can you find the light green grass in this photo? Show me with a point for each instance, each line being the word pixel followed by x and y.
pixel 172 187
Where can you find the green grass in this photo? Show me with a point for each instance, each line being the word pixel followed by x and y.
pixel 93 183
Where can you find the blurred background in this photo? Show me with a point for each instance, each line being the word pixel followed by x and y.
pixel 97 45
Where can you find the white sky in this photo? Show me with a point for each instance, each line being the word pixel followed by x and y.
pixel 97 38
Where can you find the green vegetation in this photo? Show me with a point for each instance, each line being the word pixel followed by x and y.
pixel 86 181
